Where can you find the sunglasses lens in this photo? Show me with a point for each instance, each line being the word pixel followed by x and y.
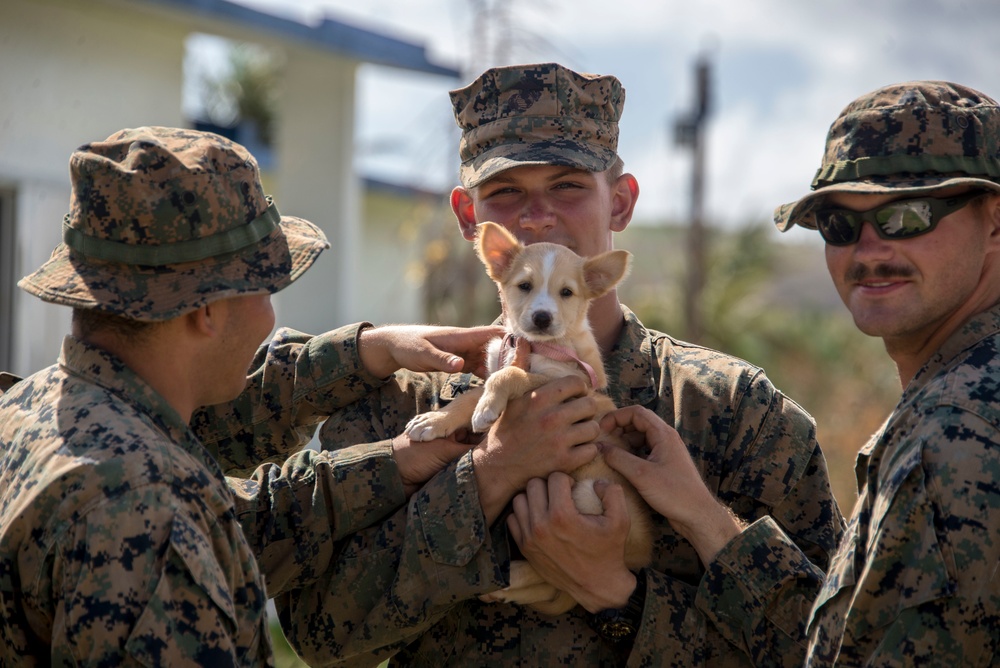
pixel 905 219
pixel 838 227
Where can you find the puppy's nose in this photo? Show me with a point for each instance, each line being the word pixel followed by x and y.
pixel 541 319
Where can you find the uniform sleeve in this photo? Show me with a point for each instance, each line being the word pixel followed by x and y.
pixel 929 589
pixel 294 515
pixel 294 383
pixel 772 474
pixel 393 581
pixel 141 582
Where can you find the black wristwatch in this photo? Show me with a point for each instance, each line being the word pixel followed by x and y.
pixel 618 624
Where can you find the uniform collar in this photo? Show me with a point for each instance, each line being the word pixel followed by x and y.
pixel 109 372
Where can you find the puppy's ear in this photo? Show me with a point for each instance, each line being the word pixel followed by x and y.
pixel 497 248
pixel 605 271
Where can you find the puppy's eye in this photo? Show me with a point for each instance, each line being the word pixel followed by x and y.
pixel 565 292
pixel 524 287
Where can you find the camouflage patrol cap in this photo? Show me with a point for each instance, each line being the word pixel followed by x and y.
pixel 909 139
pixel 163 221
pixel 541 114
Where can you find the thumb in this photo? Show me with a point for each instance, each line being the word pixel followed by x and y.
pixel 624 462
pixel 613 499
pixel 435 359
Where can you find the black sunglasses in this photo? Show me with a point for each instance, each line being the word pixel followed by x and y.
pixel 902 219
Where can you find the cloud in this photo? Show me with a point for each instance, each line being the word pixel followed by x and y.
pixel 782 71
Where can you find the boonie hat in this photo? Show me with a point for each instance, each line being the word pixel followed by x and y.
pixel 163 221
pixel 540 114
pixel 909 138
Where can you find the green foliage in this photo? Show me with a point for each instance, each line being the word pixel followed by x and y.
pixel 246 92
pixel 809 348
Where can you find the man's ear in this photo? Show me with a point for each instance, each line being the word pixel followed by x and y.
pixel 465 211
pixel 207 320
pixel 991 211
pixel 623 198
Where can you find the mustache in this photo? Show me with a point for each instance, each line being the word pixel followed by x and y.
pixel 860 272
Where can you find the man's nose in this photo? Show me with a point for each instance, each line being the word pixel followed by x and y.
pixel 536 215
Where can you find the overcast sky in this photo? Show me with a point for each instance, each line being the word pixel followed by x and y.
pixel 782 71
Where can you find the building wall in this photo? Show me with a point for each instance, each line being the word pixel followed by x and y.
pixel 72 72
pixel 78 70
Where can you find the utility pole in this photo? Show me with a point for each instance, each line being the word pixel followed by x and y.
pixel 689 132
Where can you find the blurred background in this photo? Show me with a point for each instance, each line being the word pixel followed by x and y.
pixel 345 105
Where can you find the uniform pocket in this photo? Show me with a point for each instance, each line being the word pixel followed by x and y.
pixel 905 565
pixel 190 616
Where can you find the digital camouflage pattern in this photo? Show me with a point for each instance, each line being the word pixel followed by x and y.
pixel 164 220
pixel 915 580
pixel 294 511
pixel 119 539
pixel 910 138
pixel 408 587
pixel 542 114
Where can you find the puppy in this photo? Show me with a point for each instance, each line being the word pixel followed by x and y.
pixel 546 290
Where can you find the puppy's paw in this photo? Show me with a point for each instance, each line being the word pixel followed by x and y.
pixel 488 409
pixel 483 418
pixel 427 426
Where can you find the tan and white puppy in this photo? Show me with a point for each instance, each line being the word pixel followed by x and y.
pixel 546 290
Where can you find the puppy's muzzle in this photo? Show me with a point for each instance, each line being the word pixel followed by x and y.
pixel 541 320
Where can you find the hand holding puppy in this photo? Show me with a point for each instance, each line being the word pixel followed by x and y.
pixel 669 481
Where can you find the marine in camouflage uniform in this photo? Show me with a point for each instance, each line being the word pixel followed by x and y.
pixel 121 541
pixel 915 579
pixel 408 587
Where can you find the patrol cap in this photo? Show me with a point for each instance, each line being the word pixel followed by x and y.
pixel 163 221
pixel 909 139
pixel 540 114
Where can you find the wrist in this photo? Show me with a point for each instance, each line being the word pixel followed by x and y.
pixel 374 352
pixel 491 485
pixel 614 592
pixel 620 624
pixel 713 532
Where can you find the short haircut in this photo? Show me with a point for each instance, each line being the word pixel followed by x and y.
pixel 87 322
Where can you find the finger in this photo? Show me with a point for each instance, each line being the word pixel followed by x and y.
pixel 612 496
pixel 517 521
pixel 580 410
pixel 578 456
pixel 623 418
pixel 624 462
pixel 561 389
pixel 464 341
pixel 435 359
pixel 615 508
pixel 560 487
pixel 537 495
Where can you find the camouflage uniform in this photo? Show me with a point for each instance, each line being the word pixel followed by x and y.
pixel 293 513
pixel 914 581
pixel 120 542
pixel 408 586
pixel 119 539
pixel 916 573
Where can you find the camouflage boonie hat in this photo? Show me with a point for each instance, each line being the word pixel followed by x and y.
pixel 163 221
pixel 910 138
pixel 543 114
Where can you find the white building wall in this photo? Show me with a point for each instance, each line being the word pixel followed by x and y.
pixel 73 72
pixel 316 181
